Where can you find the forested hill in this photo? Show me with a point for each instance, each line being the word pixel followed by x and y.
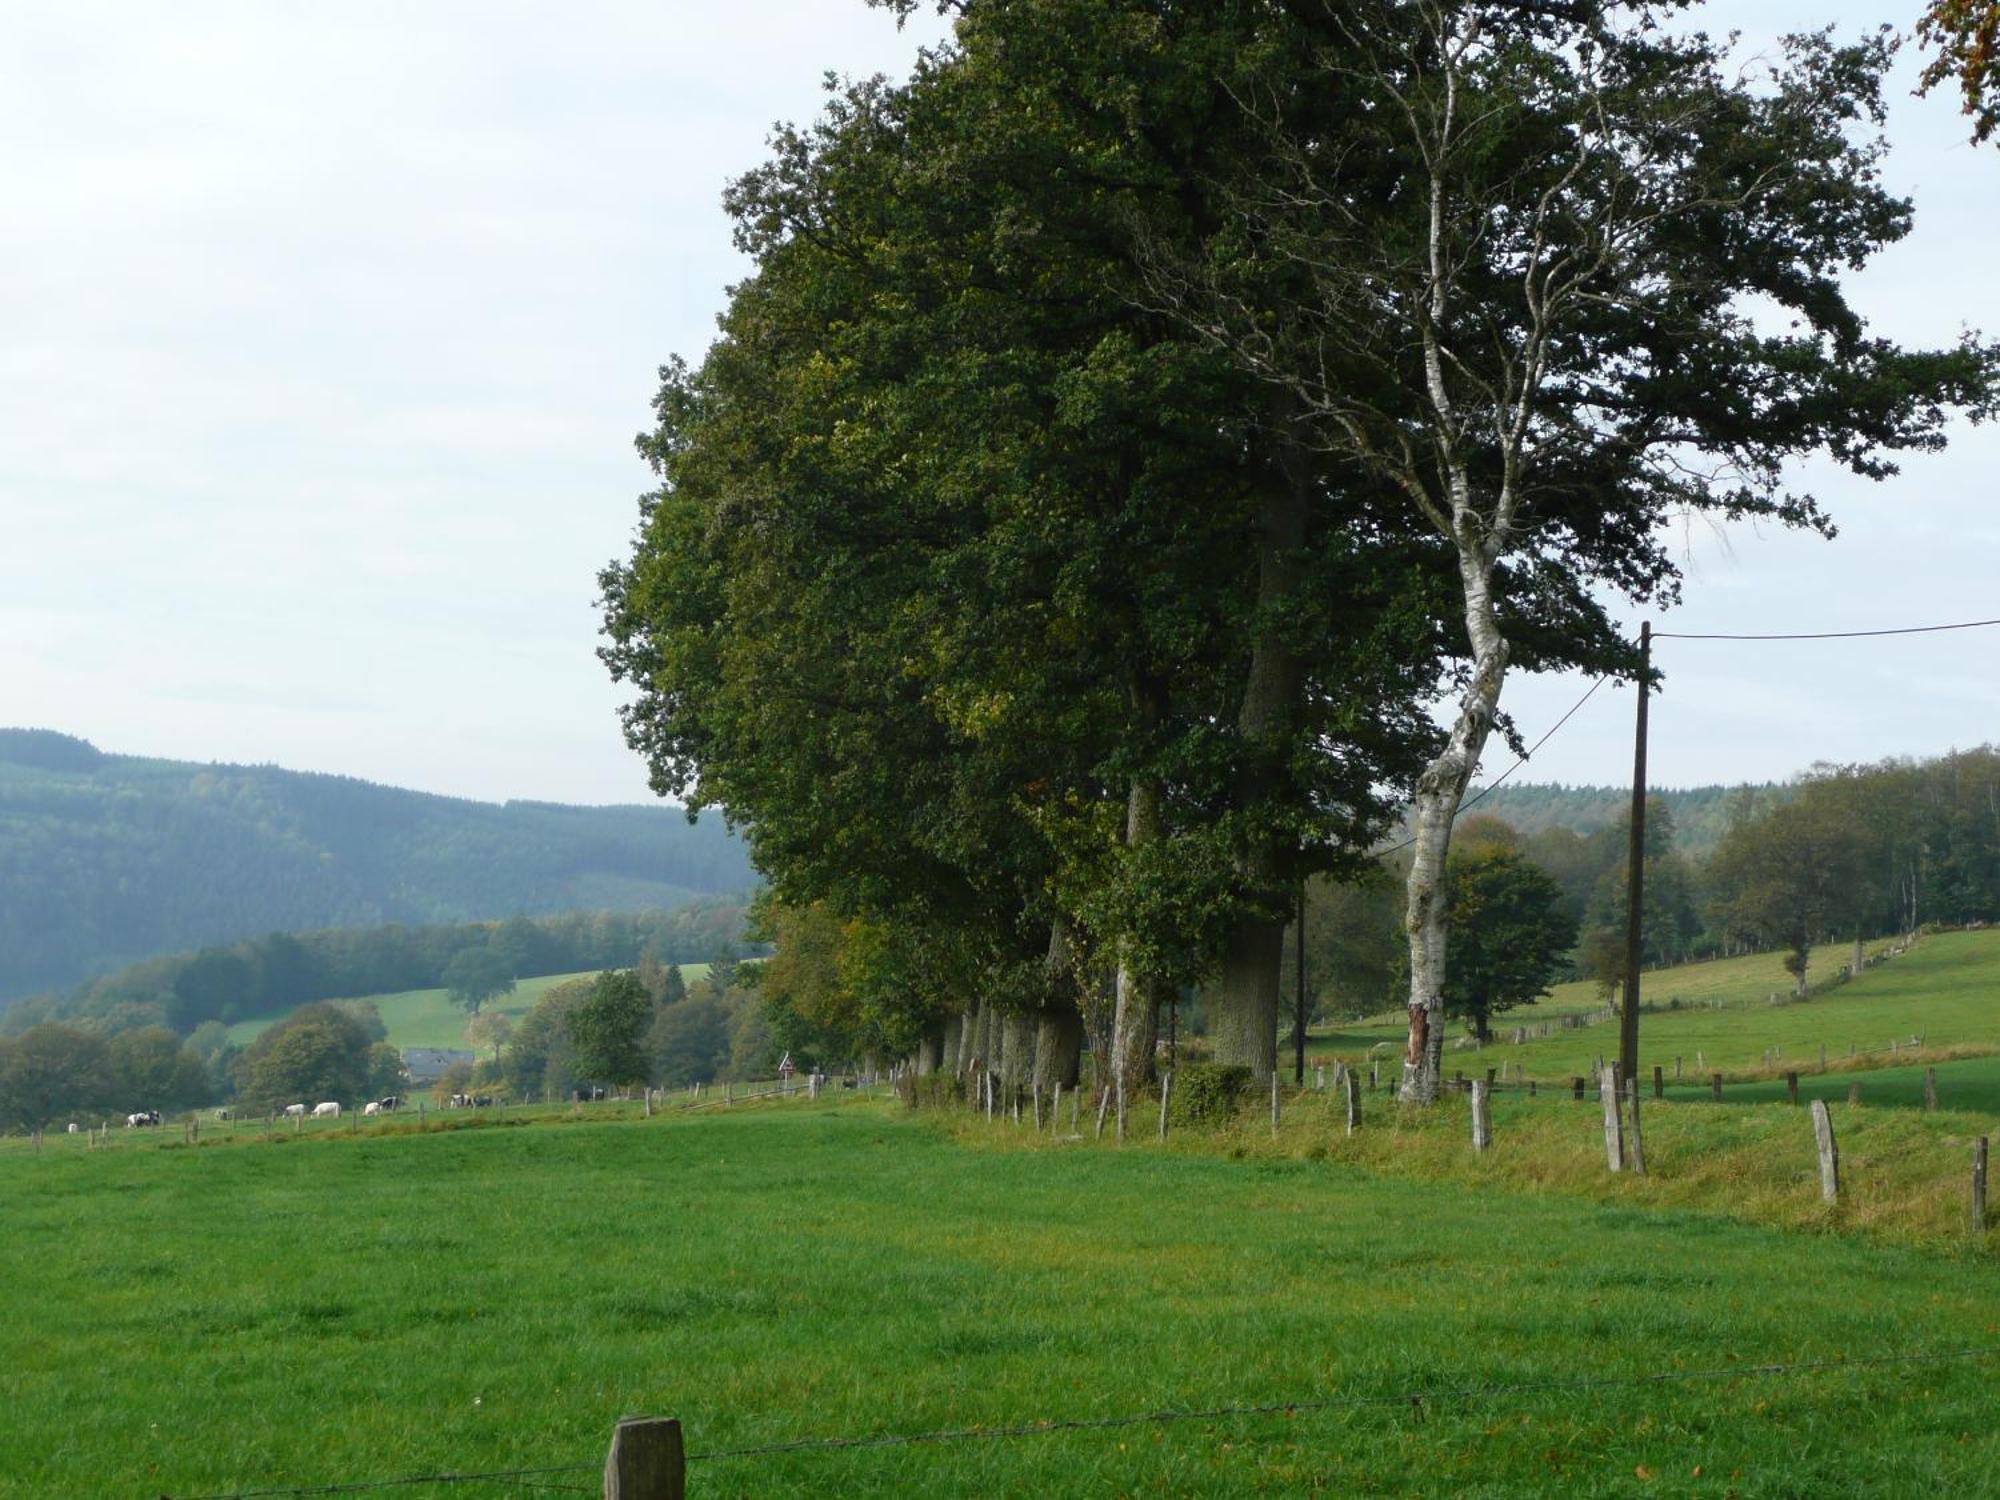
pixel 109 858
pixel 1701 813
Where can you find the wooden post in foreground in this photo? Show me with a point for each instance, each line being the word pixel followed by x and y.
pixel 1055 1111
pixel 1930 1091
pixel 1482 1114
pixel 1659 1082
pixel 1166 1093
pixel 1854 1092
pixel 1829 1153
pixel 1614 1133
pixel 647 1461
pixel 1979 1186
pixel 1792 1086
pixel 1715 1083
pixel 1353 1102
pixel 1103 1103
pixel 1274 1104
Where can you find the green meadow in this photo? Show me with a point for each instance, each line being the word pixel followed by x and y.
pixel 427 1018
pixel 493 1297
pixel 1946 989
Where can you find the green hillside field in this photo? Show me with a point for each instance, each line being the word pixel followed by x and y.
pixel 339 1308
pixel 427 1018
pixel 1946 989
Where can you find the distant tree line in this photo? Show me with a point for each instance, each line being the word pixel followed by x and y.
pixel 108 859
pixel 274 973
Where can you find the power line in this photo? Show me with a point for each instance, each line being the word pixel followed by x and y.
pixel 1820 635
pixel 1494 785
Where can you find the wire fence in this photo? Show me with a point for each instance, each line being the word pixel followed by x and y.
pixel 1414 1398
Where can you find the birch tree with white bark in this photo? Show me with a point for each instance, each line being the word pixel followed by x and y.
pixel 1558 275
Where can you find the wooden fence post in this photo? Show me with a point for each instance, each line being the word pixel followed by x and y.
pixel 1635 1142
pixel 1374 1076
pixel 1979 1186
pixel 1121 1108
pixel 1353 1102
pixel 1075 1104
pixel 647 1461
pixel 1792 1086
pixel 1614 1132
pixel 1829 1153
pixel 1274 1103
pixel 1677 1068
pixel 1103 1104
pixel 1930 1090
pixel 1715 1083
pixel 1576 1087
pixel 1659 1082
pixel 1482 1114
pixel 1055 1111
pixel 1854 1092
pixel 1166 1093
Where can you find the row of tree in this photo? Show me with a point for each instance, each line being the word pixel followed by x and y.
pixel 1136 423
pixel 476 960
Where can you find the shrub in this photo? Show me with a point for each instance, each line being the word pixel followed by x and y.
pixel 1207 1093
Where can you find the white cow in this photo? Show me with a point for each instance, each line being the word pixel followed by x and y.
pixel 295 1109
pixel 326 1111
pixel 74 1128
pixel 372 1107
pixel 223 1114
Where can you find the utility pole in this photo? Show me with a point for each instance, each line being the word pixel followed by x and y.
pixel 1635 874
pixel 1299 1020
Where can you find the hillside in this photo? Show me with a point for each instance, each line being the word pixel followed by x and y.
pixel 427 1018
pixel 1701 813
pixel 109 858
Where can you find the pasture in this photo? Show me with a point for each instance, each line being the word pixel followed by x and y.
pixel 1946 988
pixel 188 1321
pixel 427 1018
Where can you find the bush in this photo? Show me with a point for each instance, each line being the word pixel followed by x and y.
pixel 1207 1093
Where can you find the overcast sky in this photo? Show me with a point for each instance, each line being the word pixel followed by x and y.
pixel 327 329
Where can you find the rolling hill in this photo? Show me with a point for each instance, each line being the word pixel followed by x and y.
pixel 105 859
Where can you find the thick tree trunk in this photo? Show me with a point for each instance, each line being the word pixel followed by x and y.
pixel 1136 1009
pixel 1017 1050
pixel 1439 791
pixel 1058 1047
pixel 1243 1009
pixel 931 1048
pixel 968 1038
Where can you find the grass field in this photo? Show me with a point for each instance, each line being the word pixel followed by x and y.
pixel 192 1321
pixel 1947 988
pixel 427 1018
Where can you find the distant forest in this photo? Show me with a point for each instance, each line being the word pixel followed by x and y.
pixel 1702 814
pixel 108 859
pixel 275 973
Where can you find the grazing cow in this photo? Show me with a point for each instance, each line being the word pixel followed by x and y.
pixel 460 1101
pixel 295 1109
pixel 223 1114
pixel 326 1111
pixel 391 1104
pixel 482 1101
pixel 372 1107
pixel 74 1128
pixel 143 1117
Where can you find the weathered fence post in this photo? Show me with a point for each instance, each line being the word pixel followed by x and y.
pixel 1829 1153
pixel 1822 1057
pixel 1614 1133
pixel 1979 1186
pixel 1576 1087
pixel 649 1102
pixel 1482 1114
pixel 1055 1110
pixel 1715 1084
pixel 1854 1092
pixel 647 1461
pixel 1374 1076
pixel 1166 1093
pixel 1930 1090
pixel 1103 1104
pixel 1121 1108
pixel 1075 1104
pixel 1659 1082
pixel 1677 1068
pixel 1274 1104
pixel 1792 1086
pixel 1635 1142
pixel 1353 1102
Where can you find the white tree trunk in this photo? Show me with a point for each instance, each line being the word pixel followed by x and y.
pixel 1136 1013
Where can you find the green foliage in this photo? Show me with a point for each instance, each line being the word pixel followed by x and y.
pixel 1509 933
pixel 49 1070
pixel 319 1053
pixel 294 969
pixel 1207 1093
pixel 476 975
pixel 387 1073
pixel 105 859
pixel 691 1042
pixel 540 1060
pixel 153 1069
pixel 608 1028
